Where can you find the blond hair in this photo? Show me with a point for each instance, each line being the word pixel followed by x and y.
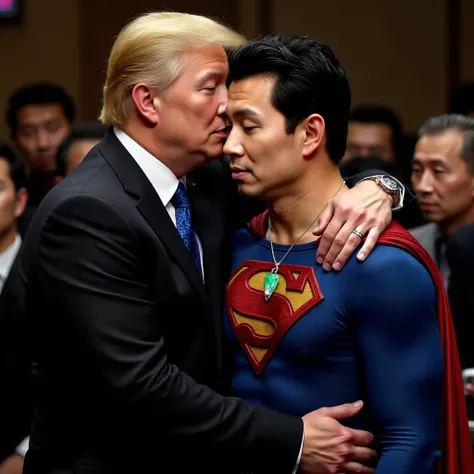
pixel 147 49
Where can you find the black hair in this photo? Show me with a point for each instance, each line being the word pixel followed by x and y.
pixel 465 125
pixel 15 163
pixel 379 114
pixel 39 94
pixel 309 80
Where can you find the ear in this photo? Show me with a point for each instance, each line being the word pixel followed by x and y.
pixel 21 200
pixel 314 128
pixel 146 102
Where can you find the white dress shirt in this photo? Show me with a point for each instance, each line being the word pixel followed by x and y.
pixel 160 176
pixel 7 257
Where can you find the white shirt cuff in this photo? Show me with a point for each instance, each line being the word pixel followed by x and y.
pixel 22 448
pixel 299 456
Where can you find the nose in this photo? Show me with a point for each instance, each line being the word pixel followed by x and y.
pixel 43 141
pixel 424 183
pixel 232 146
pixel 222 100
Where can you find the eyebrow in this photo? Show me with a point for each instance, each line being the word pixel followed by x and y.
pixel 432 161
pixel 245 112
pixel 211 75
pixel 48 121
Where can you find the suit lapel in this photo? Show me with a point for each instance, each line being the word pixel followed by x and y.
pixel 150 206
pixel 152 209
pixel 210 227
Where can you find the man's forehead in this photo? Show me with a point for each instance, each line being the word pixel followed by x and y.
pixel 438 149
pixel 374 128
pixel 211 55
pixel 249 95
pixel 443 143
pixel 39 112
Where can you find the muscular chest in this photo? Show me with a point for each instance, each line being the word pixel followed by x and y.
pixel 304 320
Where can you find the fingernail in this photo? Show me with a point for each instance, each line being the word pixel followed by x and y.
pixel 336 266
pixel 358 404
pixel 320 260
pixel 327 267
pixel 361 256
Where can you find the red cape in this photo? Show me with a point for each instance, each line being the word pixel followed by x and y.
pixel 456 446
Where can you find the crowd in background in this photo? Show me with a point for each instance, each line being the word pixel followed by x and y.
pixel 46 143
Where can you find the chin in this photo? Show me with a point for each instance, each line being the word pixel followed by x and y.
pixel 214 152
pixel 433 217
pixel 250 191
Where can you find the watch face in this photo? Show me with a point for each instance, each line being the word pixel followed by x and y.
pixel 389 183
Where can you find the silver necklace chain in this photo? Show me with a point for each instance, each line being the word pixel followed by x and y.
pixel 270 234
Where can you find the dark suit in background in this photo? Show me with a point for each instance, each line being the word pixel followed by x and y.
pixel 16 403
pixel 460 256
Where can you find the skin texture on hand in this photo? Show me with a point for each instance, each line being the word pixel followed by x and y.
pixel 367 208
pixel 12 465
pixel 329 447
pixel 469 389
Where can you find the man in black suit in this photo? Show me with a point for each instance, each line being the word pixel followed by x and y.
pixel 15 406
pixel 124 266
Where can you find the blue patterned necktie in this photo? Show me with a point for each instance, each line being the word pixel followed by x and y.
pixel 184 224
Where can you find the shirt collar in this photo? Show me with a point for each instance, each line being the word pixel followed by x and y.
pixel 7 257
pixel 160 176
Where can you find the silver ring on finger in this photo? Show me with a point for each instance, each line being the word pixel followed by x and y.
pixel 358 233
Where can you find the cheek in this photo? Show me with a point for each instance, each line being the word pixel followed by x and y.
pixel 210 109
pixel 60 135
pixel 454 192
pixel 27 143
pixel 203 108
pixel 7 207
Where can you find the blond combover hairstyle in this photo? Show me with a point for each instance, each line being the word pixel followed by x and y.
pixel 147 49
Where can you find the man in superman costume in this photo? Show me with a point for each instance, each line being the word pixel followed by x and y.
pixel 301 337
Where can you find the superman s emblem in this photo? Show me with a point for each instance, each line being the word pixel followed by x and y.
pixel 260 325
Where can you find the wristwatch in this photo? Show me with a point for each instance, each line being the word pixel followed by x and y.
pixel 391 186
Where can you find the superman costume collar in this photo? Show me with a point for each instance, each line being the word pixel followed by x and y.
pixel 457 457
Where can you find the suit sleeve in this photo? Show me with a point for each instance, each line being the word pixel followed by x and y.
pixel 393 302
pixel 90 260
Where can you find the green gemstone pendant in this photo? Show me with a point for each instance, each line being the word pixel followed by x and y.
pixel 270 282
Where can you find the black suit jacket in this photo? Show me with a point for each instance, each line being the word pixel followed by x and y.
pixel 127 344
pixel 15 391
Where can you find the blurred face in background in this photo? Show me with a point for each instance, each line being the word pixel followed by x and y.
pixel 40 131
pixel 12 204
pixel 369 139
pixel 442 179
pixel 77 152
